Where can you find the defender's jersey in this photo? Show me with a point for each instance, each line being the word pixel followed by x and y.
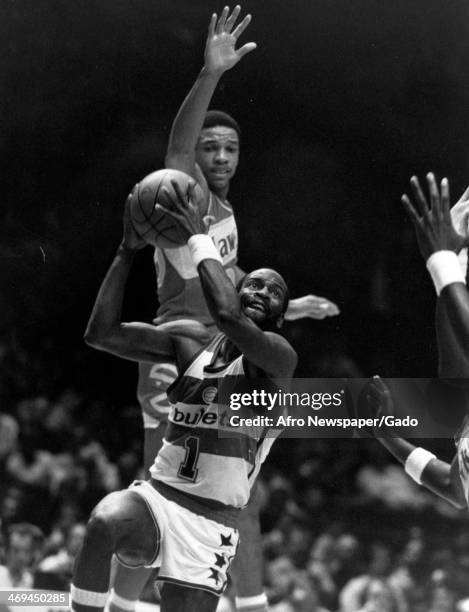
pixel 179 290
pixel 195 457
pixel 462 447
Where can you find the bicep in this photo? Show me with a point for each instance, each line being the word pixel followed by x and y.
pixel 139 342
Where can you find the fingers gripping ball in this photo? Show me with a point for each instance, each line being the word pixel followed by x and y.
pixel 149 220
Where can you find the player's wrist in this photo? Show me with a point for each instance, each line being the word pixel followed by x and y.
pixel 445 269
pixel 201 247
pixel 416 463
pixel 126 249
pixel 211 72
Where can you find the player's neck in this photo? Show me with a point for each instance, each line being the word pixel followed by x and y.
pixel 221 192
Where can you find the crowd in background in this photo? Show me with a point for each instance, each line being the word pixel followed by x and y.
pixel 344 528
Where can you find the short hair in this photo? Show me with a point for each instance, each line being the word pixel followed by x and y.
pixel 218 117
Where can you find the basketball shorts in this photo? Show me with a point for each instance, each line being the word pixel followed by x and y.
pixel 194 551
pixel 153 382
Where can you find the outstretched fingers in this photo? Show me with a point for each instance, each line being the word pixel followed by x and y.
pixel 212 25
pixel 247 48
pixel 232 18
pixel 419 197
pixel 220 27
pixel 410 210
pixel 445 200
pixel 434 194
pixel 242 26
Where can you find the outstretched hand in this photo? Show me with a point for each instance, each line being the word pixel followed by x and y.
pixel 460 215
pixel 131 239
pixel 220 51
pixel 184 209
pixel 433 224
pixel 312 307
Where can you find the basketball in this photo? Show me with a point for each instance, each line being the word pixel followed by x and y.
pixel 151 223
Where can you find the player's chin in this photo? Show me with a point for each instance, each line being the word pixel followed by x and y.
pixel 220 180
pixel 255 314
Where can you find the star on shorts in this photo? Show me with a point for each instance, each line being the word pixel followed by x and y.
pixel 220 562
pixel 226 540
pixel 214 575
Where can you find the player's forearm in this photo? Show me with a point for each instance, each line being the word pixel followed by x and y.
pixel 453 303
pixel 452 358
pixel 239 274
pixel 436 475
pixel 106 314
pixel 190 117
pixel 220 293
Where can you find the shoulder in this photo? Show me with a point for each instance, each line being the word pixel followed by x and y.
pixel 286 358
pixel 283 345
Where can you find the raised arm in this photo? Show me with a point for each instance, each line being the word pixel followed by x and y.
pixel 439 244
pixel 266 350
pixel 220 55
pixel 106 331
pixel 438 476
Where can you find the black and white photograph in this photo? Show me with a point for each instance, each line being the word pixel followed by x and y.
pixel 234 348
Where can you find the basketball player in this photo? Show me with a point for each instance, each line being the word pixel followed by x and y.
pixel 206 146
pixel 184 519
pixel 439 244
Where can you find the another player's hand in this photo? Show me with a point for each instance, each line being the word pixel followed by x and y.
pixel 131 239
pixel 460 215
pixel 380 402
pixel 185 210
pixel 312 307
pixel 220 52
pixel 433 225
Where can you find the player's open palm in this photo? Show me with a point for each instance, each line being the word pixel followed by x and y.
pixel 433 224
pixel 220 51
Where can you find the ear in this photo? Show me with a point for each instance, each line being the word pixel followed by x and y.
pixel 279 321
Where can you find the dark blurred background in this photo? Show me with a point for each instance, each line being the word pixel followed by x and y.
pixel 339 105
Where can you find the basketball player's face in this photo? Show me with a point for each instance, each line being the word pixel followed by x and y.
pixel 263 294
pixel 217 154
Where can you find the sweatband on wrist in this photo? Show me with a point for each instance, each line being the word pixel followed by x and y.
pixel 251 604
pixel 201 247
pixel 416 462
pixel 444 269
pixel 462 258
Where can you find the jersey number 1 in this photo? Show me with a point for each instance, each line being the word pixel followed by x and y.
pixel 188 469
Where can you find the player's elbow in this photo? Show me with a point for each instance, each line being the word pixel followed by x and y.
pixel 91 338
pixel 95 338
